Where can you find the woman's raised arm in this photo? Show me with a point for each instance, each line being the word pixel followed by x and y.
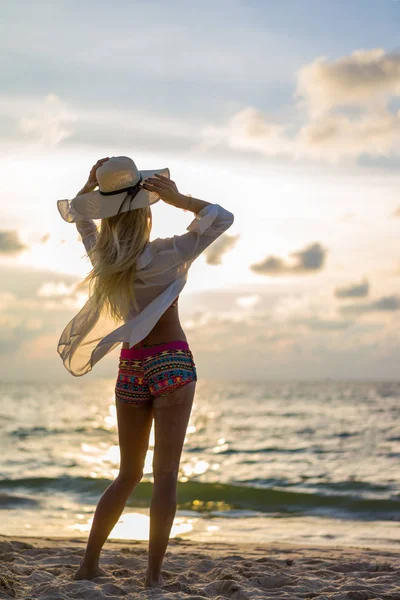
pixel 211 220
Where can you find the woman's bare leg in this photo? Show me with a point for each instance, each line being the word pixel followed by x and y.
pixel 134 425
pixel 171 418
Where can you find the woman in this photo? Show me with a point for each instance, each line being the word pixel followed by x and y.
pixel 135 280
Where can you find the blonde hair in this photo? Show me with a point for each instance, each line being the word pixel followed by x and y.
pixel 121 239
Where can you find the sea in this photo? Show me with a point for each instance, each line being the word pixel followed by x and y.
pixel 297 461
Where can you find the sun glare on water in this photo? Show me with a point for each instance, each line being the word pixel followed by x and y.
pixel 136 526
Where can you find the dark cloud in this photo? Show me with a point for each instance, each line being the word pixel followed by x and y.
pixel 385 304
pixel 10 243
pixel 308 260
pixel 215 252
pixel 359 290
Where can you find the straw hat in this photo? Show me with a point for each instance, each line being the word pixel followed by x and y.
pixel 119 191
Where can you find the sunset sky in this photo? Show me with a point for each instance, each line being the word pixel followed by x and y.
pixel 287 113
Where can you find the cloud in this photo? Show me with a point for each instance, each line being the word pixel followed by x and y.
pixel 10 243
pixel 346 107
pixel 25 282
pixel 45 238
pixel 247 301
pixel 34 303
pixel 385 304
pixel 366 77
pixel 309 260
pixel 347 217
pixel 48 122
pixel 337 136
pixel 59 294
pixel 293 333
pixel 55 289
pixel 220 247
pixel 331 137
pixel 355 290
pixel 341 110
pixel 17 329
pixel 308 339
pixel 317 324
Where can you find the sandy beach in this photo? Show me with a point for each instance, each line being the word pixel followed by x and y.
pixel 44 567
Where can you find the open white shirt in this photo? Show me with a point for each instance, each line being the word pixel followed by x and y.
pixel 161 275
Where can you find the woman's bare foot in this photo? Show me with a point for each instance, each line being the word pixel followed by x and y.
pixel 152 581
pixel 89 573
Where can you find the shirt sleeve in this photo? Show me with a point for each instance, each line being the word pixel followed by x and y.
pixel 86 227
pixel 211 222
pixel 88 232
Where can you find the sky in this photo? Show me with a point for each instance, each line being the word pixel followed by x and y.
pixel 285 113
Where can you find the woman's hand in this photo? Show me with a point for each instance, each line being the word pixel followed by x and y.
pixel 92 180
pixel 164 187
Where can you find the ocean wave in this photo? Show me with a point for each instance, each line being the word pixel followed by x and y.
pixel 212 496
pixel 14 501
pixel 24 432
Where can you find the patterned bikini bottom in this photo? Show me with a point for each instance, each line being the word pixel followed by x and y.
pixel 145 373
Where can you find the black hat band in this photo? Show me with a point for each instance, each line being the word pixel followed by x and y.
pixel 132 190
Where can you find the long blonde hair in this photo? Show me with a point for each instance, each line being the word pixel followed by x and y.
pixel 120 241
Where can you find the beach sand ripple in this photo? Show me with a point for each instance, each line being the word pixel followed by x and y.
pixel 43 568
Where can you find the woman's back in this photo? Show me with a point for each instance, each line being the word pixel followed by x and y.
pixel 161 274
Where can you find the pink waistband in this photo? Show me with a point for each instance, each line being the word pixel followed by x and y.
pixel 143 351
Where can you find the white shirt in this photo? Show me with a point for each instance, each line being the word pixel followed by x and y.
pixel 161 275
